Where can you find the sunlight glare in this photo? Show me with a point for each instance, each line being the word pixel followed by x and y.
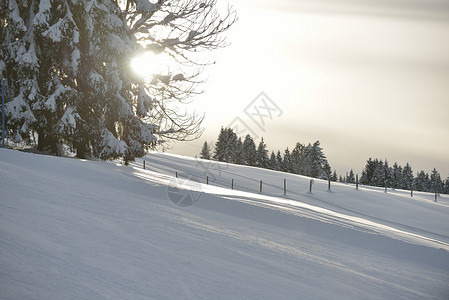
pixel 148 64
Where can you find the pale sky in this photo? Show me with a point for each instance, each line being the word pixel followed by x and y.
pixel 365 78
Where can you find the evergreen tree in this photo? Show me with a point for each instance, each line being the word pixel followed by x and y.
pixel 435 182
pixel 272 161
pixel 397 176
pixel 334 177
pixel 262 155
pixel 238 155
pixel 220 145
pixel 67 69
pixel 205 151
pixel 422 182
pixel 327 171
pixel 407 177
pixel 378 178
pixel 351 177
pixel 279 161
pixel 314 161
pixel 286 162
pixel 297 157
pixel 368 172
pixel 249 151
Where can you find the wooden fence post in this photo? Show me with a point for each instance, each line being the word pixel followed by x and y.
pixel 207 179
pixel 311 182
pixel 285 186
pixel 232 183
pixel 328 184
pixel 176 174
pixel 144 164
pixel 357 181
pixel 261 186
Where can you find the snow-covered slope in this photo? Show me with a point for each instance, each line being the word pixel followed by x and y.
pixel 72 229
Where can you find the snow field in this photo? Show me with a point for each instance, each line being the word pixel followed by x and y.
pixel 72 229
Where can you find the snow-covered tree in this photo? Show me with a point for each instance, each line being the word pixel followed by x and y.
pixel 422 182
pixel 279 161
pixel 205 151
pixel 351 177
pixel 287 162
pixel 249 151
pixel 334 177
pixel 262 155
pixel 297 157
pixel 272 161
pixel 407 177
pixel 69 82
pixel 314 161
pixel 435 182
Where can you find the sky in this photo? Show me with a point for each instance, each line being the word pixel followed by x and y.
pixel 365 78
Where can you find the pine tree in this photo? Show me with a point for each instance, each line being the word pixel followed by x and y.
pixel 286 162
pixel 368 172
pixel 205 151
pixel 238 155
pixel 407 177
pixel 279 161
pixel 351 177
pixel 220 145
pixel 297 157
pixel 378 178
pixel 262 155
pixel 435 182
pixel 422 182
pixel 334 177
pixel 272 162
pixel 67 69
pixel 249 151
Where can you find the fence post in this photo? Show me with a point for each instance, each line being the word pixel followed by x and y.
pixel 232 183
pixel 436 195
pixel 311 182
pixel 261 186
pixel 176 174
pixel 144 164
pixel 3 113
pixel 207 179
pixel 385 186
pixel 328 184
pixel 411 192
pixel 285 186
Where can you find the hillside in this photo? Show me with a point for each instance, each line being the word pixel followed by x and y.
pixel 74 229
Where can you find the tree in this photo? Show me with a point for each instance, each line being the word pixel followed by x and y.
pixel 205 151
pixel 334 177
pixel 436 182
pixel 297 157
pixel 368 172
pixel 272 163
pixel 238 155
pixel 279 161
pixel 262 155
pixel 69 83
pixel 249 151
pixel 351 177
pixel 422 182
pixel 314 161
pixel 407 177
pixel 287 162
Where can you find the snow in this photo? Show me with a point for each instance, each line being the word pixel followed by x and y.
pixel 75 229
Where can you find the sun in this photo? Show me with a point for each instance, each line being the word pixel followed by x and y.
pixel 148 64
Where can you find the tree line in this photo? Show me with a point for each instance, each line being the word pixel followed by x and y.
pixel 380 173
pixel 308 160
